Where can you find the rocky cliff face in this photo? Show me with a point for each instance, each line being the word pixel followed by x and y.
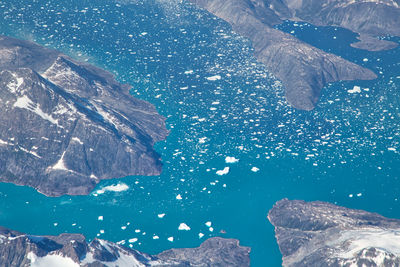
pixel 66 125
pixel 323 234
pixel 72 250
pixel 303 69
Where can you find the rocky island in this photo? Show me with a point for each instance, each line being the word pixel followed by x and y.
pixel 303 69
pixel 66 125
pixel 72 250
pixel 322 234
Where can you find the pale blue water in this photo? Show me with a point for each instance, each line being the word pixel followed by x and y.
pixel 338 150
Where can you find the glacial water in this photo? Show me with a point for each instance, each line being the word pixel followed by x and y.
pixel 218 102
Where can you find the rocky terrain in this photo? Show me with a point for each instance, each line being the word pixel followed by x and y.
pixel 72 250
pixel 322 234
pixel 66 125
pixel 303 69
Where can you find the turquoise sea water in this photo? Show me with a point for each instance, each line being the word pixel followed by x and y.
pixel 346 151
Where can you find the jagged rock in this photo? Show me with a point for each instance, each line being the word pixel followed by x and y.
pixel 303 69
pixel 322 234
pixel 66 125
pixel 72 250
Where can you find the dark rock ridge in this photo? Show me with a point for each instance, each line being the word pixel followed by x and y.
pixel 303 69
pixel 66 125
pixel 322 234
pixel 72 250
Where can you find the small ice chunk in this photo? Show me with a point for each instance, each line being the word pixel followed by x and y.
pixel 123 227
pixel 231 160
pixel 392 149
pixel 201 235
pixel 183 227
pixel 356 89
pixel 161 215
pixel 100 218
pixel 214 78
pixel 255 169
pixel 223 172
pixel 113 188
pixel 156 237
pixel 179 197
pixel 132 240
pixel 359 194
pixel 211 229
pixel 208 224
pixel 171 239
pixel 351 195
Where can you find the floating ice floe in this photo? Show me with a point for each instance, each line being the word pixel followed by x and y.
pixel 214 78
pixel 100 218
pixel 231 160
pixel 171 239
pixel 255 169
pixel 223 172
pixel 161 215
pixel 392 149
pixel 179 197
pixel 156 237
pixel 183 227
pixel 201 235
pixel 356 89
pixel 132 240
pixel 208 224
pixel 113 188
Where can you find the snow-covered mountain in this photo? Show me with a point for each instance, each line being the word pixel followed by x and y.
pixel 322 234
pixel 72 250
pixel 66 125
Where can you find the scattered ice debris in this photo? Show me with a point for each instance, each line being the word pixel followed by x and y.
pixel 392 149
pixel 231 160
pixel 208 224
pixel 201 235
pixel 255 169
pixel 202 140
pixel 171 239
pixel 214 78
pixel 183 227
pixel 179 197
pixel 132 240
pixel 100 218
pixel 113 188
pixel 356 89
pixel 189 72
pixel 223 172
